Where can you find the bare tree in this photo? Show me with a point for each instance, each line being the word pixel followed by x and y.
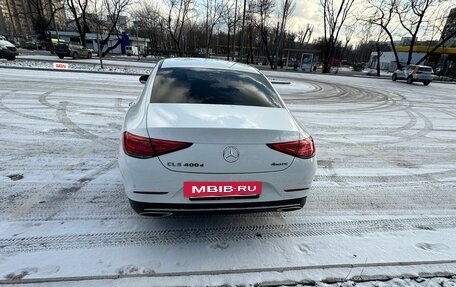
pixel 304 35
pixel 98 24
pixel 178 14
pixel 79 10
pixel 113 9
pixel 381 13
pixel 378 51
pixel 349 31
pixel 251 18
pixel 363 50
pixel 411 15
pixel 288 7
pixel 241 38
pixel 333 18
pixel 151 23
pixel 215 10
pixel 42 15
pixel 265 8
pixel 230 20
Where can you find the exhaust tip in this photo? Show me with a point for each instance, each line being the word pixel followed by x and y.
pixel 155 213
pixel 289 208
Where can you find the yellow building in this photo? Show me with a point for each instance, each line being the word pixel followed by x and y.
pixel 425 49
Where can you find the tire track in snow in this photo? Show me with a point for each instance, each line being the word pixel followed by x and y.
pixel 67 122
pixel 220 234
pixel 65 192
pixel 21 114
pixel 342 94
pixel 348 95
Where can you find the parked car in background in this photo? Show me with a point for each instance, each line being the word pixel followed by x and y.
pixel 8 50
pixel 29 44
pixel 213 136
pixel 75 51
pixel 131 50
pixel 414 73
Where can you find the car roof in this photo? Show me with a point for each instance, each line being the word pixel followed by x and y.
pixel 206 63
pixel 419 66
pixel 6 43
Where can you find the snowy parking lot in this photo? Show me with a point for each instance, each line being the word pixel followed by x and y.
pixel 383 203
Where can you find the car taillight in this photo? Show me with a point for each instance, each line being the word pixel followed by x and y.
pixel 144 147
pixel 304 148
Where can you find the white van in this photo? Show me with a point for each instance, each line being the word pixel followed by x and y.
pixel 131 50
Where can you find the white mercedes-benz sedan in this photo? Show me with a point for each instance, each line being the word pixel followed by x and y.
pixel 213 136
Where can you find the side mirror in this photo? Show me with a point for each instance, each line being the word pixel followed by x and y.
pixel 143 79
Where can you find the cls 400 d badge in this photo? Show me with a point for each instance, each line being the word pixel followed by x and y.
pixel 185 164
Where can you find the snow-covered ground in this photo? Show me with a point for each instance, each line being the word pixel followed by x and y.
pixel 383 204
pixel 92 65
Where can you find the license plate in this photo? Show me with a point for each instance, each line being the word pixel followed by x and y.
pixel 199 189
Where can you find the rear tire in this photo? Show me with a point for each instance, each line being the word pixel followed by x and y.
pixel 61 56
pixel 426 83
pixel 409 80
pixel 394 77
pixel 75 56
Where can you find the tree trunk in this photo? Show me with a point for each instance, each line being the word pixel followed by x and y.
pixel 378 58
pixel 228 48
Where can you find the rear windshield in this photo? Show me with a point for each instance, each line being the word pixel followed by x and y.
pixel 210 86
pixel 425 69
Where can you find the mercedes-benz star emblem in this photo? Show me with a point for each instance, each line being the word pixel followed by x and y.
pixel 231 154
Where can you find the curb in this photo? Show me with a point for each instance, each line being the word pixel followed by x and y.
pixel 69 70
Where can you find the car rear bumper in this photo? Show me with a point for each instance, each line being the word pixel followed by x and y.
pixel 8 53
pixel 146 180
pixel 166 209
pixel 62 53
pixel 423 78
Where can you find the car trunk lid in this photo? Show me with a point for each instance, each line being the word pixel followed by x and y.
pixel 225 139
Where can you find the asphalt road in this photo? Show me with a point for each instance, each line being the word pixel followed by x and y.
pixel 386 180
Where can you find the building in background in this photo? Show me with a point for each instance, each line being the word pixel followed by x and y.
pixel 18 17
pixel 2 20
pixel 450 27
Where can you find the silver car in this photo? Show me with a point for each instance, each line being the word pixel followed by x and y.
pixel 414 73
pixel 213 136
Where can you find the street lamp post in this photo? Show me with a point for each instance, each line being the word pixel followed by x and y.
pixel 136 24
pixel 242 33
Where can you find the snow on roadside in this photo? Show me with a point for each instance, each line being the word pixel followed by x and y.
pixel 131 68
pixel 127 68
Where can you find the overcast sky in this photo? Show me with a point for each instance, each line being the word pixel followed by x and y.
pixel 310 11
